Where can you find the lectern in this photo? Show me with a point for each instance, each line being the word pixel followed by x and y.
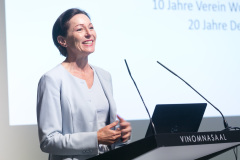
pixel 176 146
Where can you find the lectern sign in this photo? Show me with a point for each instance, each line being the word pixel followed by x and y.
pixel 203 138
pixel 196 138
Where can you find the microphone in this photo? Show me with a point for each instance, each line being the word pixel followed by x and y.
pixel 154 130
pixel 224 120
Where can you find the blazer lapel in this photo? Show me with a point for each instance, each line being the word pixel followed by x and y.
pixel 107 88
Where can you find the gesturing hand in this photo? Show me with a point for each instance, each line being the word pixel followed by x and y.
pixel 107 136
pixel 126 129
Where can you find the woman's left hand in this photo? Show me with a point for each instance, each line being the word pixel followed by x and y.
pixel 126 129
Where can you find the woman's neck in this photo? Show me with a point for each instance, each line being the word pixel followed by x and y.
pixel 75 64
pixel 80 68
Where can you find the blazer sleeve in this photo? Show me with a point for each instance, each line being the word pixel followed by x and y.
pixel 49 117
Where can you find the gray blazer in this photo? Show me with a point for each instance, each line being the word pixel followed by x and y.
pixel 67 131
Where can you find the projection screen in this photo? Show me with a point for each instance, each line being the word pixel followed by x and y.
pixel 197 39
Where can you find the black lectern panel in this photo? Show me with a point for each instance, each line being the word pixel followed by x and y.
pixel 129 151
pixel 162 143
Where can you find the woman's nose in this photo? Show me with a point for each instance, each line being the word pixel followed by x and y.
pixel 88 33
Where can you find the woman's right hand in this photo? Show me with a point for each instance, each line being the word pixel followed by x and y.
pixel 108 136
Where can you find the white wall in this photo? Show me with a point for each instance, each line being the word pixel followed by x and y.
pixel 17 142
pixel 21 142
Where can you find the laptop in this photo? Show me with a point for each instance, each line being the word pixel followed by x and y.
pixel 177 118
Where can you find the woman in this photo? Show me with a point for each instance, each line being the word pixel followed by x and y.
pixel 76 112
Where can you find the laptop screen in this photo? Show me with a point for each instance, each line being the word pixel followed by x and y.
pixel 176 118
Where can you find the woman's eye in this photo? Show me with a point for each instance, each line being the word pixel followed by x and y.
pixel 92 27
pixel 79 29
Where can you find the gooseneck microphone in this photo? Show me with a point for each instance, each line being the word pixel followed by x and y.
pixel 155 133
pixel 224 121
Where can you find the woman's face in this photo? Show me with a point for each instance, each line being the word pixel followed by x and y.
pixel 81 36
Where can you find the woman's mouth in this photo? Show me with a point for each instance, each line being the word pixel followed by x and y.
pixel 88 42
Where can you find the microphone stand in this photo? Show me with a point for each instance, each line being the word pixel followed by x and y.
pixel 154 130
pixel 227 128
